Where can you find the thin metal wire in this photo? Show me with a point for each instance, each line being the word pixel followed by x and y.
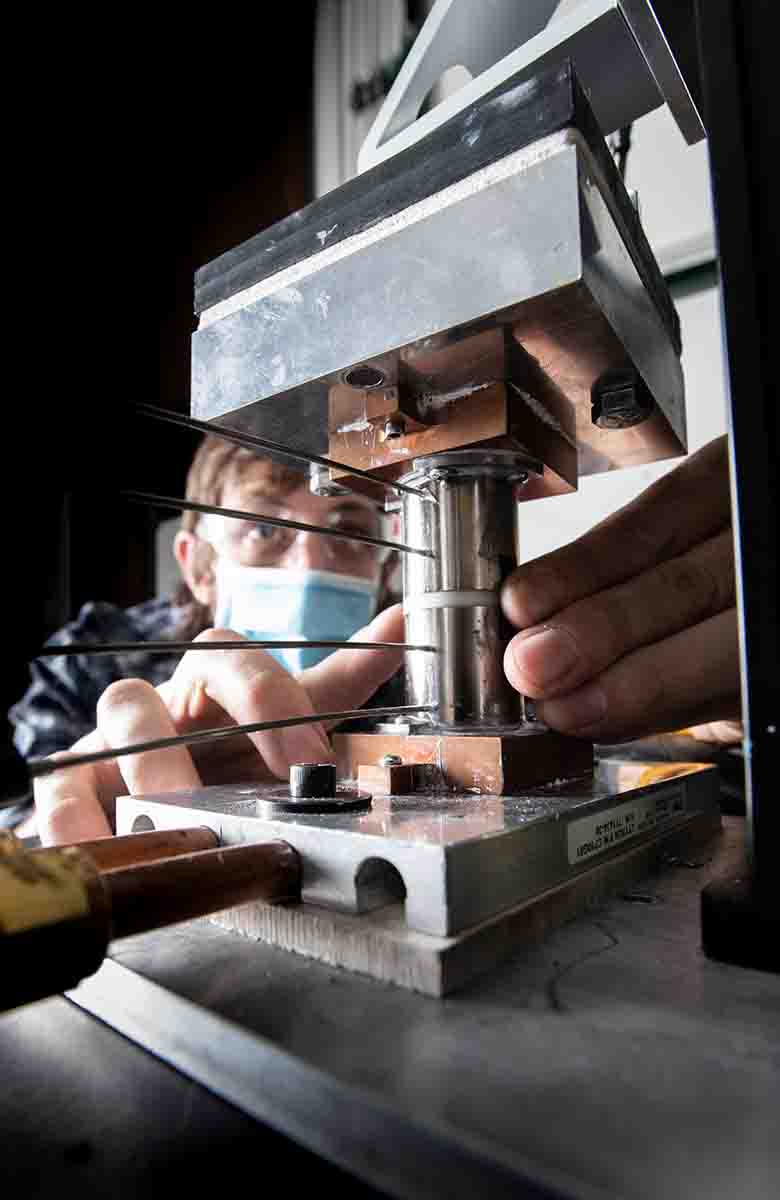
pixel 261 443
pixel 176 647
pixel 38 767
pixel 281 522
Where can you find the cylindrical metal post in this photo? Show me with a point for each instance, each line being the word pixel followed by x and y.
pixel 420 577
pixel 453 601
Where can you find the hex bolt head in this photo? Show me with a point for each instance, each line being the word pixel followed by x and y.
pixel 394 428
pixel 309 780
pixel 321 484
pixel 619 399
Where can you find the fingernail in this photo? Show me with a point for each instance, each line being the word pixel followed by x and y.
pixel 545 657
pixel 587 706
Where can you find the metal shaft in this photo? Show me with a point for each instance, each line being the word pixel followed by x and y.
pixel 421 576
pixel 454 601
pixel 476 544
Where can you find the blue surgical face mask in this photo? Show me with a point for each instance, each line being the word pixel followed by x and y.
pixel 277 604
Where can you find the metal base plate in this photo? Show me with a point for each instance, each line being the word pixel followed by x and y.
pixel 459 859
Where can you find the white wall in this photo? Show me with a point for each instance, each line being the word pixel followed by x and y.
pixel 353 38
pixel 673 182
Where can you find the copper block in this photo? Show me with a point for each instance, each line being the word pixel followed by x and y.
pixel 386 781
pixel 494 765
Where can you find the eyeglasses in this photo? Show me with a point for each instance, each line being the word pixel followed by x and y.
pixel 257 544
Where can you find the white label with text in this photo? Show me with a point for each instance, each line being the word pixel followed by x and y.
pixel 605 830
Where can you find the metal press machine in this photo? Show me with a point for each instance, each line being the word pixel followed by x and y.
pixel 473 322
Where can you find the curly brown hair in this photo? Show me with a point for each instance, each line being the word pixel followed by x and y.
pixel 216 463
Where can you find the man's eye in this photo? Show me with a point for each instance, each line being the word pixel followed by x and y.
pixel 261 532
pixel 350 525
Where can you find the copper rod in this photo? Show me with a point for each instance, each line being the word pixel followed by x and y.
pixel 113 853
pixel 261 443
pixel 278 522
pixel 177 889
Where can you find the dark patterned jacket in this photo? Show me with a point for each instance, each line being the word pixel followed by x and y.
pixel 59 705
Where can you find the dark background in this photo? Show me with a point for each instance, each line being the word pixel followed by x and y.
pixel 138 153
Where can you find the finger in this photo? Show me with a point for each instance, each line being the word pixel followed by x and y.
pixel 131 710
pixel 684 680
pixel 720 733
pixel 245 686
pixel 584 639
pixel 67 802
pixel 679 510
pixel 346 679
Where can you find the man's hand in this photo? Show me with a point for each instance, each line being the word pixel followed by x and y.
pixel 210 689
pixel 632 629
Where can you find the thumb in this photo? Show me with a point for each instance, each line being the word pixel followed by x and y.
pixel 347 678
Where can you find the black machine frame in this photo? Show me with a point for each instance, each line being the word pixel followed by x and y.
pixel 739 918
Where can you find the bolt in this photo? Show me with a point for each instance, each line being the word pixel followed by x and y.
pixel 394 428
pixel 619 399
pixel 312 779
pixel 321 484
pixel 391 760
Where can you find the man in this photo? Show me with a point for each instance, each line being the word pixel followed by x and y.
pixel 261 581
pixel 630 630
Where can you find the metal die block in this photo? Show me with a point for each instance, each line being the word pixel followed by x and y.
pixel 484 280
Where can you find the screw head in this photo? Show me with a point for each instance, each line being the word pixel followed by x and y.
pixel 394 428
pixel 321 484
pixel 619 399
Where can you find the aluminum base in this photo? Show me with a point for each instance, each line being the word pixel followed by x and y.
pixel 459 860
pixel 381 945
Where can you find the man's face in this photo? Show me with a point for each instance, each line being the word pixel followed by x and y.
pixel 258 545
